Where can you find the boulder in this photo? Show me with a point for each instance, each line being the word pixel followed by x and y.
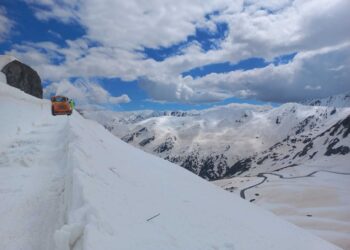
pixel 23 77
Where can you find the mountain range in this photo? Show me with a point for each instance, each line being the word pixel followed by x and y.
pixel 230 140
pixel 292 160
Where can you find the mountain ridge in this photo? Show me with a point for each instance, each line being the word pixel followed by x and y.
pixel 221 139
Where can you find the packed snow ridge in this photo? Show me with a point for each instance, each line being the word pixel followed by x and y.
pixel 68 184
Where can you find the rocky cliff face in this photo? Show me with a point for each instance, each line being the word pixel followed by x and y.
pixel 23 77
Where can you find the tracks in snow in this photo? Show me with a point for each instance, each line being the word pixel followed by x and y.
pixel 32 171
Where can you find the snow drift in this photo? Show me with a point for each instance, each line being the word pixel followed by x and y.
pixel 67 183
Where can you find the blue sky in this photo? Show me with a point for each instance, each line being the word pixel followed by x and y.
pixel 180 55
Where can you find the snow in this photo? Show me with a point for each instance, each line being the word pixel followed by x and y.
pixel 273 138
pixel 319 203
pixel 194 131
pixel 68 184
pixel 339 101
pixel 31 173
pixel 209 142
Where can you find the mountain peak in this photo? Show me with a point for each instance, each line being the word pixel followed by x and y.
pixel 337 101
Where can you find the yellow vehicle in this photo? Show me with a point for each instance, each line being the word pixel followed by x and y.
pixel 60 105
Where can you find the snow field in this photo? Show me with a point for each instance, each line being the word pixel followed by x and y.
pixel 32 163
pixel 68 184
pixel 319 203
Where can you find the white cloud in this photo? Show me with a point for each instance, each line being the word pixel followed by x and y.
pixel 5 24
pixel 64 10
pixel 86 94
pixel 310 87
pixel 264 29
pixel 131 24
pixel 311 71
pixel 120 99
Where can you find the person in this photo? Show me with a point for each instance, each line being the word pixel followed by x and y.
pixel 71 103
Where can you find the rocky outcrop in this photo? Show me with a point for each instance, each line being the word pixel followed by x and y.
pixel 23 77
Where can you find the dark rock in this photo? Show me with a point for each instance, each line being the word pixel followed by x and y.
pixel 346 124
pixel 108 127
pixel 191 163
pixel 177 113
pixel 213 167
pixel 307 140
pixel 312 156
pixel 278 144
pixel 278 120
pixel 286 139
pixel 331 150
pixel 342 126
pixel 239 167
pixel 23 77
pixel 141 131
pixel 128 138
pixel 305 149
pixel 302 125
pixel 315 103
pixel 165 146
pixel 146 141
pixel 261 160
pixel 230 189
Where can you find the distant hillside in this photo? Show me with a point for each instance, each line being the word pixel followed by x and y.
pixel 229 140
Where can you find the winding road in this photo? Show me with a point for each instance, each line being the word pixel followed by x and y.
pixel 263 175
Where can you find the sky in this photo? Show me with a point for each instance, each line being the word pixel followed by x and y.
pixel 130 55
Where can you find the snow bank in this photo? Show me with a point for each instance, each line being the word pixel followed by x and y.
pixel 108 195
pixel 19 112
pixel 123 188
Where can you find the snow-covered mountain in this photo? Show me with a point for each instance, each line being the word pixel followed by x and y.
pixel 67 183
pixel 228 140
pixel 339 101
pixel 292 159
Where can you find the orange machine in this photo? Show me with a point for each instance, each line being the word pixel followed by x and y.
pixel 60 106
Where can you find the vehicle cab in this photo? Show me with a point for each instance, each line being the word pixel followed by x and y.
pixel 60 105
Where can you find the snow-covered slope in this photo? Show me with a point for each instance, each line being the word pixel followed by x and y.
pixel 224 141
pixel 201 141
pixel 267 155
pixel 338 101
pixel 66 183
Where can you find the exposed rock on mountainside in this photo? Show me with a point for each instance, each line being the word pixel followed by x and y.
pixel 23 77
pixel 298 148
pixel 237 139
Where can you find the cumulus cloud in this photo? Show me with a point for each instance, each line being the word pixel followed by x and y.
pixel 117 30
pixel 309 75
pixel 131 24
pixel 64 10
pixel 86 94
pixel 5 24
